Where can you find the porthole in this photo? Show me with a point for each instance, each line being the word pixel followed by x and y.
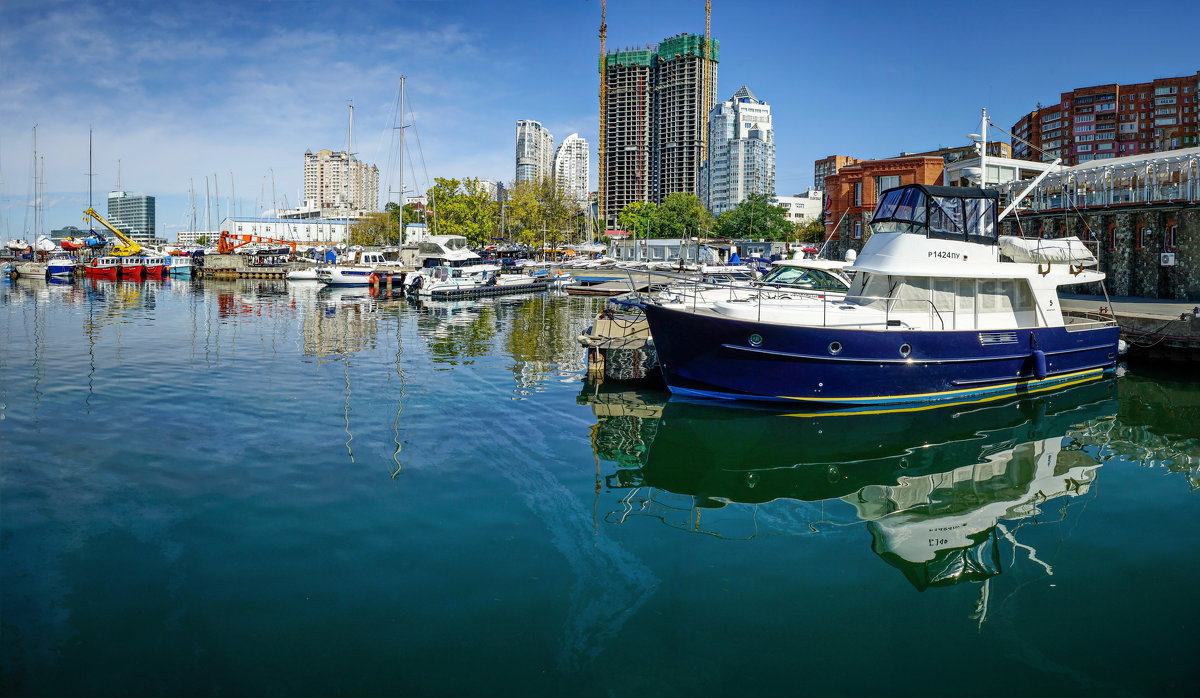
pixel 905 350
pixel 756 340
pixel 835 347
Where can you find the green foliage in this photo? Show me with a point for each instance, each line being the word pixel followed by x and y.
pixel 202 240
pixel 464 208
pixel 639 219
pixel 756 218
pixel 682 216
pixel 540 210
pixel 812 231
pixel 375 229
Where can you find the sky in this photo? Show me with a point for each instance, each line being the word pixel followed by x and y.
pixel 227 96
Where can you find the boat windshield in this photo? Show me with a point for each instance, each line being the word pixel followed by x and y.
pixel 800 277
pixel 953 213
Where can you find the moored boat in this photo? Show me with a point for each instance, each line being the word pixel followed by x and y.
pixel 103 268
pixel 179 265
pixel 61 264
pixel 154 266
pixel 936 312
pixel 132 268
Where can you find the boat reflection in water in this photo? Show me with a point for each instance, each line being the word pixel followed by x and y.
pixel 938 489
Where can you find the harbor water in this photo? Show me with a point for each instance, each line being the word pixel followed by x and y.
pixel 270 489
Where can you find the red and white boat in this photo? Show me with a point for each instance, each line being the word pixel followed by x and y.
pixel 103 268
pixel 156 267
pixel 132 268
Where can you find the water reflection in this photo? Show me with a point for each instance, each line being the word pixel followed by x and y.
pixel 940 492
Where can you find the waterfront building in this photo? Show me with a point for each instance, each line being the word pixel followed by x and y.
pixel 741 152
pixel 132 214
pixel 193 237
pixel 801 208
pixel 339 181
pixel 1110 121
pixel 827 166
pixel 654 108
pixel 535 151
pixel 852 193
pixel 316 231
pixel 1138 214
pixel 571 168
pixel 494 189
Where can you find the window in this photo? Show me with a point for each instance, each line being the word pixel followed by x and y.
pixel 884 183
pixel 1143 238
pixel 1085 119
pixel 1112 236
pixel 858 230
pixel 1169 235
pixel 858 193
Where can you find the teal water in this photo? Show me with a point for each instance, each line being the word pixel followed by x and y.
pixel 251 488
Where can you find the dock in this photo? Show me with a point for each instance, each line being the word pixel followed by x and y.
pixel 1155 330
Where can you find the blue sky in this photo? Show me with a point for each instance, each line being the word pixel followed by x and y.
pixel 237 91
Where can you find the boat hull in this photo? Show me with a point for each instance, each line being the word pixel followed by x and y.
pixel 101 271
pixel 708 355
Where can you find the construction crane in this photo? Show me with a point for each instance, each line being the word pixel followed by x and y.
pixel 127 248
pixel 603 215
pixel 225 244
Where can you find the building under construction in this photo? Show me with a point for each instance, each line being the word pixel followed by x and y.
pixel 654 110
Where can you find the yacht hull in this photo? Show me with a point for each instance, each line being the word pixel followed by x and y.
pixel 705 354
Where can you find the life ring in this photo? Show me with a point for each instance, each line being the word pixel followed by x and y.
pixel 374 279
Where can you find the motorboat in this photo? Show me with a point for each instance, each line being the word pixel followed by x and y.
pixel 61 264
pixel 179 265
pixel 362 269
pixel 132 268
pixel 155 266
pixel 937 311
pixel 103 268
pixel 815 280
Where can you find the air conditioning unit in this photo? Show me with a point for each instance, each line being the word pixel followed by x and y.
pixel 1166 259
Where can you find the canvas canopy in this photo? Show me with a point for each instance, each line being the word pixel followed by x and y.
pixel 953 213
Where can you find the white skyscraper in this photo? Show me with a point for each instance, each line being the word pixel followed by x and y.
pixel 571 168
pixel 338 180
pixel 535 151
pixel 741 159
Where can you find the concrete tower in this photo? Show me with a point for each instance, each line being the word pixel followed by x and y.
pixel 571 168
pixel 535 151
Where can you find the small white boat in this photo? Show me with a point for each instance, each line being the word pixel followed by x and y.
pixel 306 274
pixel 180 265
pixel 363 269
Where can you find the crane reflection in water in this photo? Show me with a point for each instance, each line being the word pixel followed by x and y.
pixel 942 492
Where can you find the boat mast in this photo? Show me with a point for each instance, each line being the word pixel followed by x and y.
pixel 983 135
pixel 400 219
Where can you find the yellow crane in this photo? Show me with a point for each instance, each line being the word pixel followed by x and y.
pixel 127 248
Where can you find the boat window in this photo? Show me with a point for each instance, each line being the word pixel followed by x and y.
pixel 457 243
pixel 981 220
pixel 946 217
pixel 815 279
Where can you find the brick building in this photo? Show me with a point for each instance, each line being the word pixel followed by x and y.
pixel 826 166
pixel 852 193
pixel 1106 121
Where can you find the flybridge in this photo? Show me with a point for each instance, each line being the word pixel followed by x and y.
pixel 948 213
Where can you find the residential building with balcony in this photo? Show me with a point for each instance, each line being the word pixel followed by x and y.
pixel 1110 121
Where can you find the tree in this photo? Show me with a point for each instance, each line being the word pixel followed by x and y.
pixel 681 216
pixel 374 229
pixel 638 218
pixel 202 240
pixel 755 218
pixel 464 208
pixel 810 231
pixel 538 211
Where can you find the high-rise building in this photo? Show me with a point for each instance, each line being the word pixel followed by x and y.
pixel 132 214
pixel 1107 121
pixel 654 120
pixel 571 168
pixel 338 180
pixel 741 152
pixel 535 151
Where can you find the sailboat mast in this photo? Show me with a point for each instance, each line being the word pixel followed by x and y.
pixel 400 220
pixel 91 174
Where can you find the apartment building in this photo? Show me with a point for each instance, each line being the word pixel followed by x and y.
pixel 654 109
pixel 535 151
pixel 340 181
pixel 741 159
pixel 1107 121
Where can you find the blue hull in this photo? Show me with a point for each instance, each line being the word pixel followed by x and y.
pixel 707 355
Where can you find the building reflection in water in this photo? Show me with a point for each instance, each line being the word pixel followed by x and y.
pixel 940 491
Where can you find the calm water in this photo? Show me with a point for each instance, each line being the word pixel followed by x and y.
pixel 250 488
